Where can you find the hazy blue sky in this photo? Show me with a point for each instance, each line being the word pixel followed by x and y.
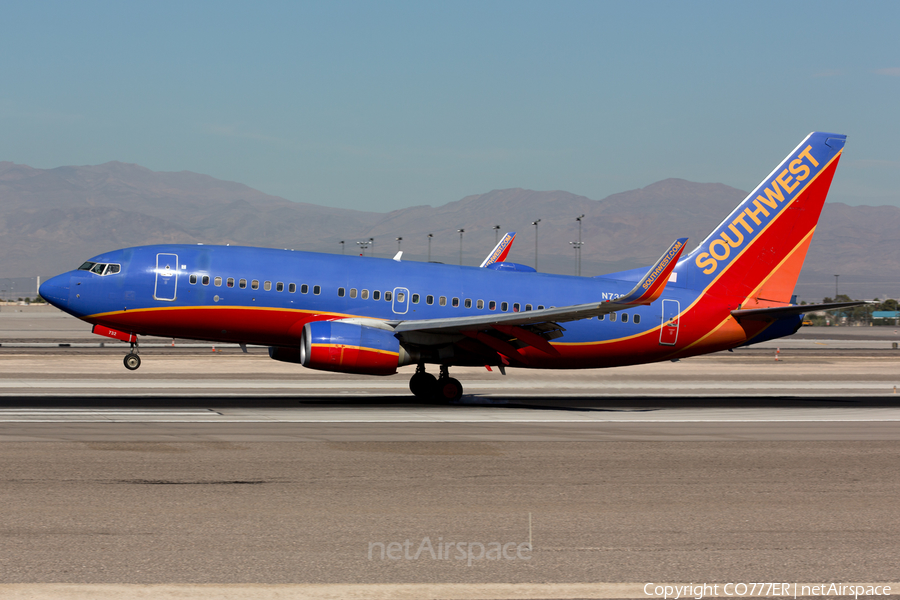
pixel 381 105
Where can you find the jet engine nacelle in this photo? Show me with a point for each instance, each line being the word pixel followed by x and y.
pixel 346 348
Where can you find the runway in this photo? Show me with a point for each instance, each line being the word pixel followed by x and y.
pixel 208 472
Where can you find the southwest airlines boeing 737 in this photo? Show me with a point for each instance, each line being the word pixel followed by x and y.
pixel 371 316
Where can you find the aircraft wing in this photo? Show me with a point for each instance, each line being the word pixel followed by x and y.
pixel 648 289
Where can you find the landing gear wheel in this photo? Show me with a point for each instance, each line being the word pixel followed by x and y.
pixel 449 389
pixel 423 385
pixel 132 361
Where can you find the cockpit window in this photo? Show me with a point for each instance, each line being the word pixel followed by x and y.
pixel 100 268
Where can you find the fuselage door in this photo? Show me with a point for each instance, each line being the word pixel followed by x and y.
pixel 401 301
pixel 668 333
pixel 166 277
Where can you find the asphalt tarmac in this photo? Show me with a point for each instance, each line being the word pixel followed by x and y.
pixel 229 475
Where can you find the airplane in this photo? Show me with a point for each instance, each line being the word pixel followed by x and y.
pixel 368 315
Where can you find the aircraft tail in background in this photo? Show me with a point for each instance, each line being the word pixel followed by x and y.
pixel 753 258
pixel 498 254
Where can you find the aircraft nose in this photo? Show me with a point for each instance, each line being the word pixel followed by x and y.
pixel 56 290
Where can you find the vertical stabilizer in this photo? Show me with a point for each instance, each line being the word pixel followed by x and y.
pixel 753 258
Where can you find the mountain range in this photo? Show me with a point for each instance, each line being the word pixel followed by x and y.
pixel 53 219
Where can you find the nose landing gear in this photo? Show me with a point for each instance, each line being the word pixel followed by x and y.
pixel 132 360
pixel 425 386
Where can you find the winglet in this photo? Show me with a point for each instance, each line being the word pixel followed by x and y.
pixel 654 282
pixel 498 254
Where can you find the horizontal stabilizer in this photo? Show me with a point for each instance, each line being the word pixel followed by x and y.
pixel 778 312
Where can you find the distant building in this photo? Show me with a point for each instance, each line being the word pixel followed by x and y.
pixel 884 316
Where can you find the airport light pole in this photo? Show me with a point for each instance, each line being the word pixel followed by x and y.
pixel 430 235
pixel 372 242
pixel 496 234
pixel 535 223
pixel 577 246
pixel 342 247
pixel 461 232
pixel 836 287
pixel 579 243
pixel 399 239
pixel 362 246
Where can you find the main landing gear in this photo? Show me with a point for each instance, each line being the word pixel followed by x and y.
pixel 425 386
pixel 132 360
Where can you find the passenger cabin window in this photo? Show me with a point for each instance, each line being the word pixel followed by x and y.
pixel 492 305
pixel 401 297
pixel 479 305
pixel 353 292
pixel 415 298
pixel 612 317
pixel 341 292
pixel 540 307
pixel 442 300
pixel 387 296
pixel 205 280
pixel 468 303
pixel 193 279
pixel 254 285
pixel 527 307
pixel 292 287
pixel 229 282
pixel 516 307
pixel 267 285
pixel 601 317
pixel 376 295
pixel 242 284
pixel 624 317
pixel 279 287
pixel 304 289
pixel 637 319
pixel 504 306
pixel 455 303
pixel 364 295
pixel 217 282
pixel 317 290
pixel 429 300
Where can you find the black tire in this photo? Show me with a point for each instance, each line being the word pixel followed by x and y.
pixel 449 389
pixel 132 362
pixel 423 385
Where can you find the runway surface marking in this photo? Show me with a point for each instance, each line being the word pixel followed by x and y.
pixel 495 413
pixel 253 384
